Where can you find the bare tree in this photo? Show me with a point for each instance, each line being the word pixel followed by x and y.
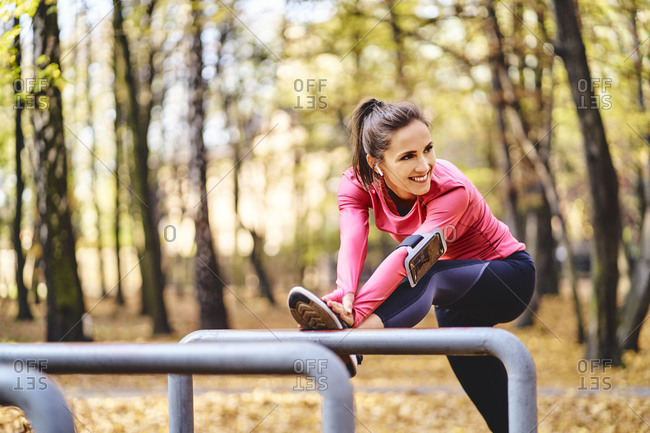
pixel 138 100
pixel 637 300
pixel 24 313
pixel 65 306
pixel 603 182
pixel 209 284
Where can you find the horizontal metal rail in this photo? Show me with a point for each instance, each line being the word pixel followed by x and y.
pixel 305 358
pixel 522 379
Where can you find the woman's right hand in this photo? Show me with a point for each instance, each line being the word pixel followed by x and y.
pixel 344 308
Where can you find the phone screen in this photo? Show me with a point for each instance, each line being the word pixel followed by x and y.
pixel 426 257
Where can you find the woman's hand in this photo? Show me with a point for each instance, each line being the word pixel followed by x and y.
pixel 343 308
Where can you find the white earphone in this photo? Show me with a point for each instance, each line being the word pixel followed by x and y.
pixel 379 170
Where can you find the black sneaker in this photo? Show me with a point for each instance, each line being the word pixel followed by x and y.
pixel 313 314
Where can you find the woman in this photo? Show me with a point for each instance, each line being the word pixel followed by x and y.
pixel 485 277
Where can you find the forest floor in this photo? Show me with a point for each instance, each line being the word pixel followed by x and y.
pixel 392 393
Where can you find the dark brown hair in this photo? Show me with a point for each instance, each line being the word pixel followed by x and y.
pixel 371 126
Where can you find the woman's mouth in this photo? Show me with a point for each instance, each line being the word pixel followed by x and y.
pixel 420 179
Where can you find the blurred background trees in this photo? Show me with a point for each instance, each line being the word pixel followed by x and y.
pixel 204 143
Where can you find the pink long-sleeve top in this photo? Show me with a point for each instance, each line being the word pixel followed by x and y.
pixel 453 203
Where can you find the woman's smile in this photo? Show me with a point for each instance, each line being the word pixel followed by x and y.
pixel 421 179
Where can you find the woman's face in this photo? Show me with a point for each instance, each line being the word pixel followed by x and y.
pixel 408 163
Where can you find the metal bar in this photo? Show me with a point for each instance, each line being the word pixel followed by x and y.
pixel 312 360
pixel 181 403
pixel 522 378
pixel 22 385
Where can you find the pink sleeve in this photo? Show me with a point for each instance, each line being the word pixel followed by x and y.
pixel 442 212
pixel 353 225
pixel 445 211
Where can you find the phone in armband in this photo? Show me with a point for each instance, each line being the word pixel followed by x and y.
pixel 423 251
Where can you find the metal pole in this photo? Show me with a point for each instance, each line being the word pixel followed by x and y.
pixel 23 385
pixel 181 403
pixel 312 360
pixel 522 379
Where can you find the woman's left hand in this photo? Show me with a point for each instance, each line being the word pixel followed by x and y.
pixel 344 308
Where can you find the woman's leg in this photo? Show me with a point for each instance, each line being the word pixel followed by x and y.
pixel 500 295
pixel 372 322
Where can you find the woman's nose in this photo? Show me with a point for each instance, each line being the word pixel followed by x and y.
pixel 423 164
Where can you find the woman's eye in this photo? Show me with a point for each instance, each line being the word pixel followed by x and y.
pixel 429 148
pixel 405 157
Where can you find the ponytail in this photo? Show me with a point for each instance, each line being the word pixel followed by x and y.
pixel 362 170
pixel 371 126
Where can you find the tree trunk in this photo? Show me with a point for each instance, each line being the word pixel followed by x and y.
pixel 119 295
pixel 64 296
pixel 256 259
pixel 153 279
pixel 250 128
pixel 24 313
pixel 38 275
pixel 603 182
pixel 120 125
pixel 209 284
pixel 298 206
pixel 637 300
pixel 498 68
pixel 548 184
pixel 545 261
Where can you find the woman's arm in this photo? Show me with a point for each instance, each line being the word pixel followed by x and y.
pixel 353 205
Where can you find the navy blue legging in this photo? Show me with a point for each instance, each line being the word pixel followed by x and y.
pixel 469 293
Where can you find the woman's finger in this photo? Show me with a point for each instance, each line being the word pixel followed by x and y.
pixel 348 302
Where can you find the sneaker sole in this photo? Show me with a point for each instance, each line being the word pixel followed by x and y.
pixel 310 311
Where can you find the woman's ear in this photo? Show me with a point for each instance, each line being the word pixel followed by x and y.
pixel 373 163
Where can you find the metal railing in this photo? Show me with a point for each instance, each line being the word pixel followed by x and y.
pixel 273 352
pixel 22 385
pixel 268 357
pixel 522 386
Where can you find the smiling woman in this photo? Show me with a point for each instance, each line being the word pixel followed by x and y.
pixel 484 277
